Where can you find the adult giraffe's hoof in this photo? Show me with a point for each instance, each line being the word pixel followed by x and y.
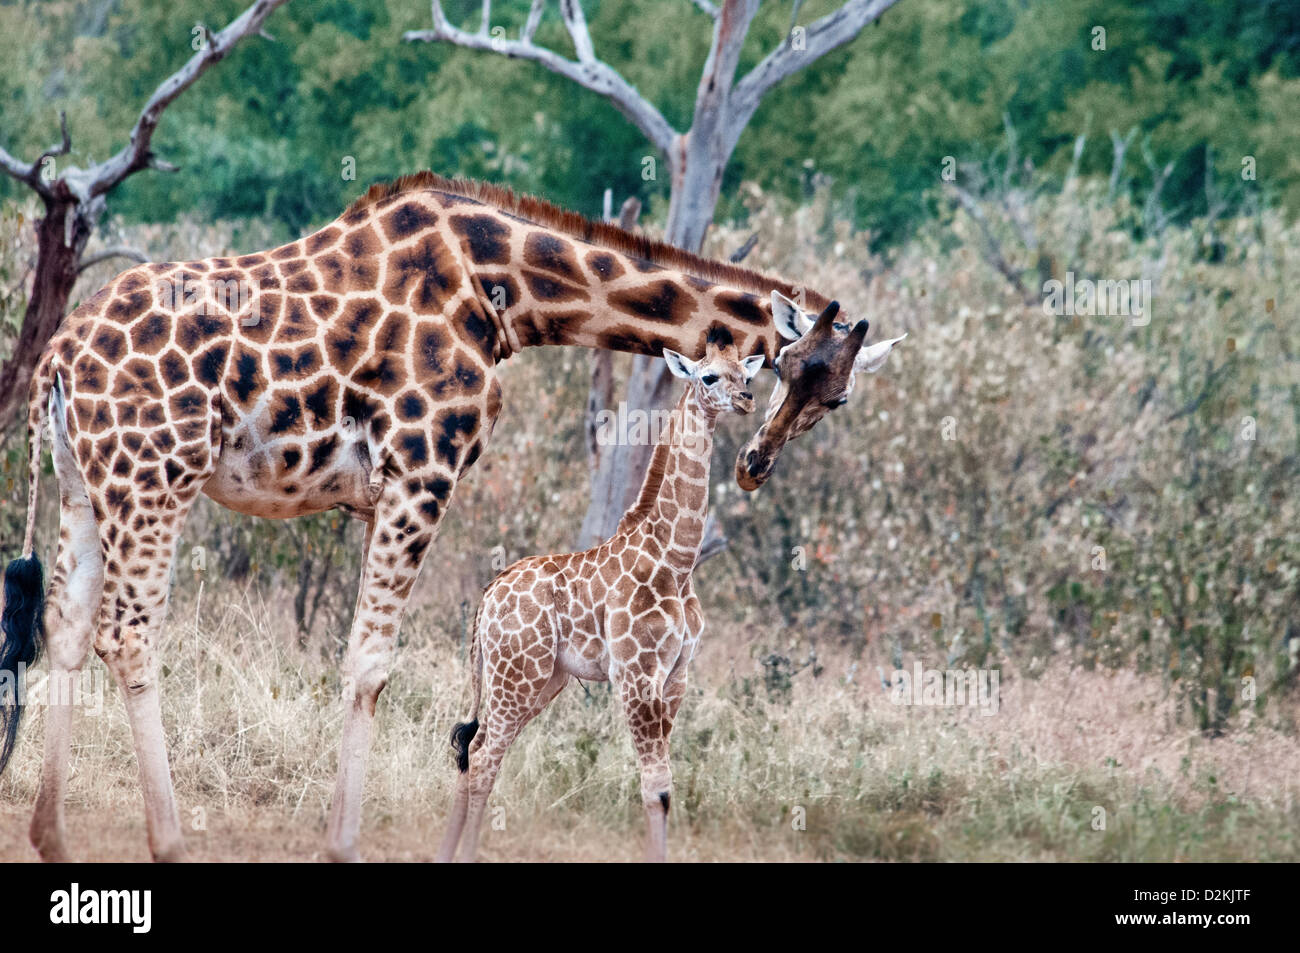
pixel 52 852
pixel 174 854
pixel 49 842
pixel 344 855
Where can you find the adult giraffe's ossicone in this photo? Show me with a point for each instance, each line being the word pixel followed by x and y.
pixel 352 369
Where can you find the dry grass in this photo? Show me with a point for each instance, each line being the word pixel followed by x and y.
pixel 253 723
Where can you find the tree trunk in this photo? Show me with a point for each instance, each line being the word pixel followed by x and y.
pixel 61 238
pixel 696 160
pixel 621 467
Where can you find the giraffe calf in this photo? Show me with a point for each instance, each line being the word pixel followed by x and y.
pixel 624 611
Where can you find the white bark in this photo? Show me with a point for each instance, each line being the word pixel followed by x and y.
pixel 587 71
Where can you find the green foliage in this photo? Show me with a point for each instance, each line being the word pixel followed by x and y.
pixel 266 132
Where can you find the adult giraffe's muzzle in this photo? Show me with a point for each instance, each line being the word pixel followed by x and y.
pixel 755 462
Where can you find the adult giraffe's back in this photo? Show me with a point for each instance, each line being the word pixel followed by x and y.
pixel 353 369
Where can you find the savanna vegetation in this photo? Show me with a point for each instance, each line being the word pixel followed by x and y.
pixel 1101 508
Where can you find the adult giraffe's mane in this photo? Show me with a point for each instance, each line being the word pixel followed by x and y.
pixel 605 234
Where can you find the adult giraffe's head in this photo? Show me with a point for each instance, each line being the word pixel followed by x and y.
pixel 815 374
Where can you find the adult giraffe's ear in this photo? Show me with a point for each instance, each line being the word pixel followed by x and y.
pixel 872 358
pixel 680 366
pixel 791 322
pixel 752 366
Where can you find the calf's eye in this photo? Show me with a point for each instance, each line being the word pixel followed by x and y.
pixel 709 379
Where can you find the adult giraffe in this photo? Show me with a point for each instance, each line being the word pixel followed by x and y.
pixel 352 369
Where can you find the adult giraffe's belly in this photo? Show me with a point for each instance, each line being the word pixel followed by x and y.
pixel 291 476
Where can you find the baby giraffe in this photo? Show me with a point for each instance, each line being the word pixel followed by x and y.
pixel 624 611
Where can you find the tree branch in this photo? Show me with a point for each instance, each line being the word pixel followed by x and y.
pixel 31 174
pixel 112 251
pixel 706 148
pixel 534 19
pixel 719 74
pixel 821 37
pixel 575 21
pixel 136 155
pixel 587 71
pixel 62 149
pixel 715 540
pixel 707 7
pixel 741 253
pixel 15 167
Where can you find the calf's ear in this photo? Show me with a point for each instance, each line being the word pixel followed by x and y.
pixel 752 366
pixel 679 365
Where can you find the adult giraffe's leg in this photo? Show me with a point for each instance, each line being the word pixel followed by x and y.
pixel 71 610
pixel 141 498
pixel 140 538
pixel 397 542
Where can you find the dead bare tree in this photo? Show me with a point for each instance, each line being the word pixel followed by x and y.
pixel 74 200
pixel 600 396
pixel 696 158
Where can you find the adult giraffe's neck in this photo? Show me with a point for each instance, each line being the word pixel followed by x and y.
pixel 550 276
pixel 674 495
pixel 549 288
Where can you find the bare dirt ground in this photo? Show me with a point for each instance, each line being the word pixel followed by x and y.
pixel 275 839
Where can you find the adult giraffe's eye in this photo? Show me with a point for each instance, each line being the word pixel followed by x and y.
pixel 709 380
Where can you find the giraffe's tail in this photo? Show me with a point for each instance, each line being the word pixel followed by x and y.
pixel 463 733
pixel 21 623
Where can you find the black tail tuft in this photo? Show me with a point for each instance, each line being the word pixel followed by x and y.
pixel 21 632
pixel 461 736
